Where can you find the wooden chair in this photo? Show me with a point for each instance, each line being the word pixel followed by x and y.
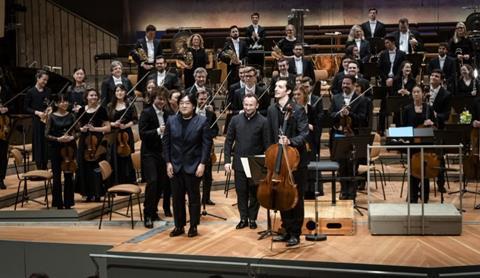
pixel 124 189
pixel 374 156
pixel 35 175
pixel 137 164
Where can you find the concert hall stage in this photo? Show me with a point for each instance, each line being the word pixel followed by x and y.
pixel 70 249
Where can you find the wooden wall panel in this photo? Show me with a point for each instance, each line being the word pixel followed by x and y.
pixel 54 36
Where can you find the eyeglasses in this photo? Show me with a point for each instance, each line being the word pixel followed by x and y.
pixel 249 76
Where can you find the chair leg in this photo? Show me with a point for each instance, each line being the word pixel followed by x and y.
pixel 381 182
pixel 219 160
pixel 110 204
pixel 403 181
pixel 128 209
pixel 101 214
pixel 139 207
pixel 25 191
pixel 18 194
pixel 46 184
pixel 130 204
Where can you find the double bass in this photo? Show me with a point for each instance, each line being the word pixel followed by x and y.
pixel 278 190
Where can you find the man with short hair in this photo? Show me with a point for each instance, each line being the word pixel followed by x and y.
pixel 233 53
pixel 200 75
pixel 283 73
pixel 299 65
pixel 407 40
pixel 446 64
pixel 162 77
pixel 373 28
pixel 251 87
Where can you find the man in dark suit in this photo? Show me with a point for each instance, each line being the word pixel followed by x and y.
pixel 389 63
pixel 207 111
pixel 187 144
pixel 233 53
pixel 200 75
pixel 405 38
pixel 299 65
pixel 248 131
pixel 144 53
pixel 336 87
pixel 358 113
pixel 255 33
pixel 283 73
pixel 251 87
pixel 446 64
pixel 353 68
pixel 151 128
pixel 162 77
pixel 109 83
pixel 294 136
pixel 373 28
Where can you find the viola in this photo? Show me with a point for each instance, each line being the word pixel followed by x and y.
pixel 67 152
pixel 278 190
pixel 91 145
pixel 123 148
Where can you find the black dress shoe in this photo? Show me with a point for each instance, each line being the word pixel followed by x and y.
pixel 192 231
pixel 281 238
pixel 294 240
pixel 148 222
pixel 242 224
pixel 177 232
pixel 168 213
pixel 253 224
pixel 210 203
pixel 2 185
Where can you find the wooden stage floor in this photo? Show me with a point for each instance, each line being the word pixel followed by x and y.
pixel 220 238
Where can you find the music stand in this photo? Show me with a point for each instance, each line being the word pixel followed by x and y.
pixel 458 103
pixel 379 92
pixel 370 70
pixel 352 149
pixel 376 44
pixel 213 76
pixel 395 104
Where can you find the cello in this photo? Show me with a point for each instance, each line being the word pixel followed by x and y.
pixel 471 164
pixel 278 190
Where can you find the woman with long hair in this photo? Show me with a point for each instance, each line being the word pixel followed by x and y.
pixel 195 57
pixel 357 38
pixel 467 85
pixel 460 46
pixel 76 91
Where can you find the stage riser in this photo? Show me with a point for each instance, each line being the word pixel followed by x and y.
pixel 391 219
pixel 33 193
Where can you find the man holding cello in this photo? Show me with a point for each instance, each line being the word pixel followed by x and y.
pixel 292 135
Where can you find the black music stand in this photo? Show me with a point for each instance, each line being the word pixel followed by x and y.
pixel 379 92
pixel 376 44
pixel 394 105
pixel 370 70
pixel 352 149
pixel 459 103
pixel 213 77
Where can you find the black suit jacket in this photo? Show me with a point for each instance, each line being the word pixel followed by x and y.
pixel 358 110
pixel 147 127
pixel 414 34
pixel 170 82
pixel 239 94
pixel 193 90
pixel 187 151
pixel 261 35
pixel 379 31
pixel 212 118
pixel 142 43
pixel 384 63
pixel 449 69
pixel 243 50
pixel 410 116
pixel 308 69
pixel 108 89
pixel 441 105
pixel 290 80
pixel 364 50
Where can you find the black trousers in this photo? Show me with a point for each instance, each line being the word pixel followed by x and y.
pixel 246 196
pixel 348 188
pixel 68 199
pixel 3 159
pixel 156 177
pixel 207 182
pixel 415 192
pixel 39 144
pixel 190 184
pixel 292 220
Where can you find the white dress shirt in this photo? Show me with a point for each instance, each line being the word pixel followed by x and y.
pixel 403 42
pixel 160 119
pixel 358 42
pixel 160 78
pixel 299 65
pixel 391 55
pixel 373 25
pixel 117 81
pixel 150 50
pixel 441 61
pixel 236 45
pixel 347 98
pixel 433 94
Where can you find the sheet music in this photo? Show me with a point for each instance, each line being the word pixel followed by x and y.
pixel 246 167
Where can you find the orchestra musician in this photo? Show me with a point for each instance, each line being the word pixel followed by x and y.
pixel 373 28
pixel 356 110
pixel 300 65
pixel 122 117
pixel 407 40
pixel 356 37
pixel 109 83
pixel 59 122
pixel 467 85
pixel 187 144
pixel 336 87
pixel 147 100
pixel 151 127
pixel 404 81
pixel 476 113
pixel 206 110
pixel 173 97
pixel 144 53
pixel 195 57
pixel 248 131
pixel 91 150
pixel 200 75
pixel 76 91
pixel 419 112
pixel 36 103
pixel 446 64
pixel 283 73
pixel 234 51
pixel 295 136
pixel 163 77
pixel 287 44
pixel 460 46
pixel 5 95
pixel 251 87
pixel 255 33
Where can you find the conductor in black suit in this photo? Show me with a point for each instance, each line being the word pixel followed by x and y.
pixel 144 53
pixel 187 143
pixel 233 53
pixel 300 65
pixel 162 77
pixel 151 128
pixel 109 83
pixel 373 28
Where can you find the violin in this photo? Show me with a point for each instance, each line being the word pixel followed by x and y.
pixel 67 152
pixel 278 190
pixel 46 112
pixel 5 119
pixel 91 144
pixel 345 124
pixel 123 148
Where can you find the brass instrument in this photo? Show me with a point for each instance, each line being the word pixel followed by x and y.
pixel 142 54
pixel 277 52
pixel 188 58
pixel 232 55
